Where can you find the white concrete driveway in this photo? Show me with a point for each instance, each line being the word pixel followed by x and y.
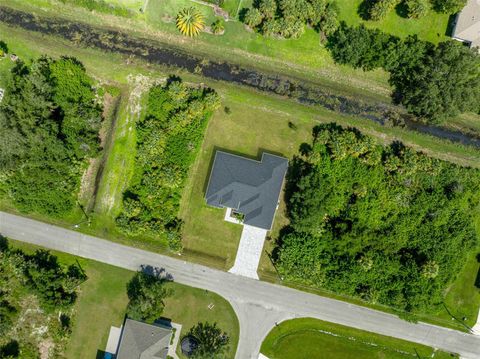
pixel 249 252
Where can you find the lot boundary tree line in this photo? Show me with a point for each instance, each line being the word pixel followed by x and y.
pixel 376 10
pixel 386 224
pixel 432 82
pixel 308 93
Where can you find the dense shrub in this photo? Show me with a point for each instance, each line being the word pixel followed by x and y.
pixel 3 48
pixel 379 9
pixel 49 121
pixel 448 6
pixel 287 18
pixel 55 284
pixel 444 84
pixel 36 291
pixel 364 48
pixel 212 342
pixel 147 294
pixel 386 224
pixel 168 138
pixel 417 8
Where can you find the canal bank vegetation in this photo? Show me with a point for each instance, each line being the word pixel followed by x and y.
pixel 273 54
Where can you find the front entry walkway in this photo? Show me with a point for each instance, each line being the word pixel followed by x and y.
pixel 249 251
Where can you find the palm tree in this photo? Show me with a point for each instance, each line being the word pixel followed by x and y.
pixel 190 21
pixel 218 26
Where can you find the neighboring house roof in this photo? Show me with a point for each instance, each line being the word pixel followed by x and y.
pixel 248 186
pixel 143 341
pixel 467 27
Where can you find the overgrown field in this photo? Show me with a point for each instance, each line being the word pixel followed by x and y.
pixel 168 139
pixel 386 224
pixel 37 294
pixel 49 120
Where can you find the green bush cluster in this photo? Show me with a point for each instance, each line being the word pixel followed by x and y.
pixel 49 121
pixel 29 280
pixel 147 294
pixel 287 18
pixel 378 9
pixel 168 138
pixel 101 6
pixel 386 224
pixel 419 70
pixel 417 8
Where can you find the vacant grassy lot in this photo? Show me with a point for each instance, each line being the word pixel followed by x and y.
pixel 308 338
pixel 103 301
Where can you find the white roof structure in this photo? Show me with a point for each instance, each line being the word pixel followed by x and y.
pixel 467 24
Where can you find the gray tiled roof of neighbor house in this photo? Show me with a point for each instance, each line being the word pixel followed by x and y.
pixel 248 186
pixel 143 341
pixel 467 24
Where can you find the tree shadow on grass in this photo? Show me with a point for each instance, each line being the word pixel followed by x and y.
pixel 364 9
pixel 402 10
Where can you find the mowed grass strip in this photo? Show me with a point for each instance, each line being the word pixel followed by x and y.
pixel 309 338
pixel 103 301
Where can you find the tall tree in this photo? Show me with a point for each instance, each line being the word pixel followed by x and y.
pixel 444 84
pixel 147 294
pixel 449 6
pixel 212 342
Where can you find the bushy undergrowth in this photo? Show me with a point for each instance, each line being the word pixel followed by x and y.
pixel 49 123
pixel 168 139
pixel 287 18
pixel 36 296
pixel 386 224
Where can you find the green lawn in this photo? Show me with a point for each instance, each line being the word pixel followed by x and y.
pixel 103 300
pixel 432 27
pixel 308 338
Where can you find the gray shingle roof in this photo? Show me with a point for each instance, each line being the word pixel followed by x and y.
pixel 248 186
pixel 143 341
pixel 467 27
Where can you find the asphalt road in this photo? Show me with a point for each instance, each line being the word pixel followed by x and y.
pixel 258 304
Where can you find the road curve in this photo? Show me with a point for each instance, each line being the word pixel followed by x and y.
pixel 257 304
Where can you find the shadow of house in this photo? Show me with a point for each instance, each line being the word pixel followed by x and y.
pixel 477 280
